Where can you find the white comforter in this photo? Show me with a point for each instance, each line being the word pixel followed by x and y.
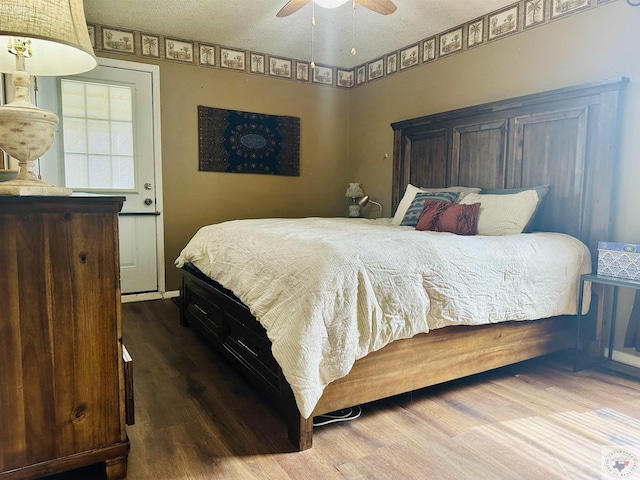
pixel 330 291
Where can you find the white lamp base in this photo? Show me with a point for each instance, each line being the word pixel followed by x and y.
pixel 26 133
pixel 32 187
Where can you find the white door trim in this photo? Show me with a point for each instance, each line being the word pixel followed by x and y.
pixel 154 70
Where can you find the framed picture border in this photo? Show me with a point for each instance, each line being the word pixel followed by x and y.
pixel 425 49
pixel 413 49
pixel 350 73
pixel 586 5
pixel 306 67
pixel 91 30
pixel 391 63
pixel 257 63
pixel 274 71
pixel 127 34
pixel 149 53
pixel 214 49
pixel 496 14
pixel 474 35
pixel 242 54
pixel 456 47
pixel 361 74
pixel 326 68
pixel 378 64
pixel 187 57
pixel 534 22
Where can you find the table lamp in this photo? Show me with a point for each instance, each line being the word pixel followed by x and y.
pixel 364 201
pixel 354 192
pixel 37 37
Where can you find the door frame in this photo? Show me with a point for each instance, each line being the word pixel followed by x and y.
pixel 154 70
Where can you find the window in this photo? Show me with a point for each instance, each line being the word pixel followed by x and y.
pixel 98 135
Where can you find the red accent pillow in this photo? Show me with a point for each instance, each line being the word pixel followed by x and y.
pixel 449 217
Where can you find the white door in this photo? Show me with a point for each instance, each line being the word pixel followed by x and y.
pixel 107 143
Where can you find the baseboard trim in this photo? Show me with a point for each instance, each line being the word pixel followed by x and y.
pixel 143 297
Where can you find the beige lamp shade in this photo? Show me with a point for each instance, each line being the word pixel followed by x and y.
pixel 58 32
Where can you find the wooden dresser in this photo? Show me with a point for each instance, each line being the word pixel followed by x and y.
pixel 62 401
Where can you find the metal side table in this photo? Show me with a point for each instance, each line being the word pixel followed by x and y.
pixel 616 283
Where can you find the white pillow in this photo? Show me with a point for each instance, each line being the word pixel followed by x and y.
pixel 503 214
pixel 410 194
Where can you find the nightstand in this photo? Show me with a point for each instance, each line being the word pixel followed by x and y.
pixel 616 283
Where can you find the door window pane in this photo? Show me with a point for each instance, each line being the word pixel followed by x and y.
pixel 76 169
pixel 98 136
pixel 97 123
pixel 122 169
pixel 99 171
pixel 75 135
pixel 121 108
pixel 121 141
pixel 97 101
pixel 73 93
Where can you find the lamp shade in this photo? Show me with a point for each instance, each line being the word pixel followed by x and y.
pixel 58 33
pixel 354 190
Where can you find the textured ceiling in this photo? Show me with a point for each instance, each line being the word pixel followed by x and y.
pixel 253 25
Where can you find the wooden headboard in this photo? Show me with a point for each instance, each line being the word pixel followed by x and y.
pixel 566 138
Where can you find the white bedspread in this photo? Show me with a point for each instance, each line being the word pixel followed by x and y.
pixel 330 291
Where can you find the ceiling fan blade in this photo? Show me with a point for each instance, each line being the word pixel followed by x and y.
pixel 291 7
pixel 384 7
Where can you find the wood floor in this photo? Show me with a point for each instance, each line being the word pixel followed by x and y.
pixel 197 419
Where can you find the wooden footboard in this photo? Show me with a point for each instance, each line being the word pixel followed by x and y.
pixel 402 366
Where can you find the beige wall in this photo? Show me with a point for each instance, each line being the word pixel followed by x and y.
pixel 587 47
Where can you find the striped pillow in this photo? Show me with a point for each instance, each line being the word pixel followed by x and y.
pixel 412 214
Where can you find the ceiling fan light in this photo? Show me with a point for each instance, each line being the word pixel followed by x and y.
pixel 330 3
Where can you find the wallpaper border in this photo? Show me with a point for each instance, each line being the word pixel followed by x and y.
pixel 475 33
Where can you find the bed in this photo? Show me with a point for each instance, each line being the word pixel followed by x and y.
pixel 564 140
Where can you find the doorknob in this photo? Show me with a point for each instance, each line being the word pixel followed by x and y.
pixel 148 201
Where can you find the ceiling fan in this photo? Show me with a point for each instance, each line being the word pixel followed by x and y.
pixel 384 7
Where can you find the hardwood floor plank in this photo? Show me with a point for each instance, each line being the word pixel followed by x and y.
pixel 197 418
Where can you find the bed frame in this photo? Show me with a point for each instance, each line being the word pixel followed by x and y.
pixel 566 138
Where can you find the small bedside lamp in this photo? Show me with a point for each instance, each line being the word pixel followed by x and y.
pixel 37 37
pixel 364 201
pixel 354 192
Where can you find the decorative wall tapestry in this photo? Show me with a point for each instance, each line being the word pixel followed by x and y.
pixel 244 142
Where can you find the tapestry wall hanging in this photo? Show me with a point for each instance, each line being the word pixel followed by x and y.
pixel 244 142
